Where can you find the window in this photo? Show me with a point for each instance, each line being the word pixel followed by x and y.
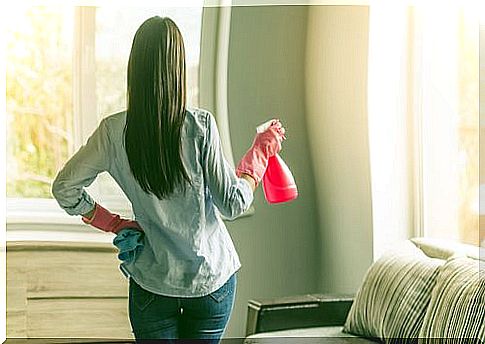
pixel 39 98
pixel 66 70
pixel 113 44
pixel 424 123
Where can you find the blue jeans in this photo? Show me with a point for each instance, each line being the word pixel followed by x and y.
pixel 154 316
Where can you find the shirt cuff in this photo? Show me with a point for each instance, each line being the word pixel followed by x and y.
pixel 246 191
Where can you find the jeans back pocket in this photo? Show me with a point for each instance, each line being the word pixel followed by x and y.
pixel 140 297
pixel 228 288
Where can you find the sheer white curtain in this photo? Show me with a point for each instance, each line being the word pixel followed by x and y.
pixel 482 131
pixel 423 123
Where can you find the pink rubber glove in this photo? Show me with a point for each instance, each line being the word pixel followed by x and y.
pixel 265 145
pixel 108 222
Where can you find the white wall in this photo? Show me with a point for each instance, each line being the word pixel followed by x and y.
pixel 336 102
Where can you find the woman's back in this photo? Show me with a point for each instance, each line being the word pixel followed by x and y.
pixel 188 249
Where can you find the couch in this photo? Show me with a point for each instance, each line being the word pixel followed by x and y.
pixel 421 291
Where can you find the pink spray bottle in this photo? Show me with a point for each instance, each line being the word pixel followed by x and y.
pixel 278 183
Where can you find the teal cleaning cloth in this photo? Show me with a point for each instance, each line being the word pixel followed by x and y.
pixel 129 242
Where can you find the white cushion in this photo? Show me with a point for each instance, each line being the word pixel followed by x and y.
pixel 444 249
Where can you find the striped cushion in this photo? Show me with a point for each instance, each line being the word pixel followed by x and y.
pixel 392 300
pixel 457 308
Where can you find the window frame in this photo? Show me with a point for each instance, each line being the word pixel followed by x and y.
pixel 25 214
pixel 43 213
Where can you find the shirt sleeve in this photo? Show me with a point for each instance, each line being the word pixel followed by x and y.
pixel 232 195
pixel 80 171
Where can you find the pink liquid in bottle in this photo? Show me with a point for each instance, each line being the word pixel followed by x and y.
pixel 278 183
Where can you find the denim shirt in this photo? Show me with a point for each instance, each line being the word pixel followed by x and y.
pixel 188 251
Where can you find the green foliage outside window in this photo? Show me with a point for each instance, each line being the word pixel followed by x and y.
pixel 39 100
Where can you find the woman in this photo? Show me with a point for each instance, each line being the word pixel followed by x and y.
pixel 169 162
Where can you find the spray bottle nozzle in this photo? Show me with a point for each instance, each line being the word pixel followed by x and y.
pixel 263 127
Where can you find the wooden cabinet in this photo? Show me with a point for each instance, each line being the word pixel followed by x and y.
pixel 66 289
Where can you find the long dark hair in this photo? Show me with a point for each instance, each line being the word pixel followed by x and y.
pixel 156 107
